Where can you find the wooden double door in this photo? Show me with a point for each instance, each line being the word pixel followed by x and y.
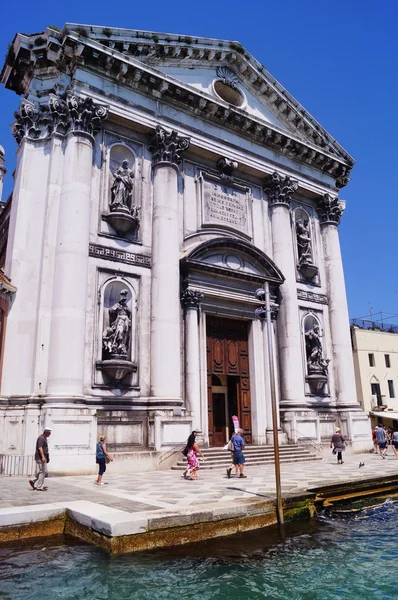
pixel 228 381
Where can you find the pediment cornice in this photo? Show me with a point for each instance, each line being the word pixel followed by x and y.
pixel 130 58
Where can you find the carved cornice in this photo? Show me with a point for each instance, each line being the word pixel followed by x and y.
pixel 191 298
pixel 128 60
pixel 330 210
pixel 60 116
pixel 280 189
pixel 167 146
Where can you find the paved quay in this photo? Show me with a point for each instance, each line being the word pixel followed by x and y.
pixel 144 503
pixel 157 490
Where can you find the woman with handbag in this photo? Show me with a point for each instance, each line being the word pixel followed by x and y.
pixel 102 457
pixel 192 453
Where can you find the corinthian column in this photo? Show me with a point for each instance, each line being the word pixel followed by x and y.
pixel 165 314
pixel 191 301
pixel 68 317
pixel 330 210
pixel 280 190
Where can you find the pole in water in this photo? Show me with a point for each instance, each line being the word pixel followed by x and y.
pixel 279 506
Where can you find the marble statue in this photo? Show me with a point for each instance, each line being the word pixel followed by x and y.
pixel 116 339
pixel 122 188
pixel 303 241
pixel 313 346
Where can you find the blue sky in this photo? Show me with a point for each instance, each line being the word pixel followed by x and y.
pixel 339 59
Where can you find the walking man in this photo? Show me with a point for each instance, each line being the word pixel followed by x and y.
pixel 382 441
pixel 238 456
pixel 42 457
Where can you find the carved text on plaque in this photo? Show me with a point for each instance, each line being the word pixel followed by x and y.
pixel 225 205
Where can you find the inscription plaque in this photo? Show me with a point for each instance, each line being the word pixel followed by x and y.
pixel 225 205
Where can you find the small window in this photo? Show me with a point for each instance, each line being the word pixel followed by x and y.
pixel 387 359
pixel 371 360
pixel 391 388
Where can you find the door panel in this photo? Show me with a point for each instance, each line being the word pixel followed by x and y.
pixel 227 354
pixel 219 421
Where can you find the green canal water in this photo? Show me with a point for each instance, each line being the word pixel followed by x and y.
pixel 323 559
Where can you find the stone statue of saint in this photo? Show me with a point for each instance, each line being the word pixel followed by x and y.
pixel 122 188
pixel 303 241
pixel 313 346
pixel 116 339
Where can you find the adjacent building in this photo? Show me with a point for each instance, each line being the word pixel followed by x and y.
pixel 166 186
pixel 375 350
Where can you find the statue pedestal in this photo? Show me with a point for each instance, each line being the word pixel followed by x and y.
pixel 316 381
pixel 122 221
pixel 116 369
pixel 308 270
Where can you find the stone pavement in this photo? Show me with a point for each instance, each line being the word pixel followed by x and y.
pixel 167 490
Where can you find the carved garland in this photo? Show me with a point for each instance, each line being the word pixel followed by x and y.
pixel 60 116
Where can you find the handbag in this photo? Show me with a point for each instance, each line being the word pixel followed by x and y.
pixel 107 460
pixel 334 451
pixel 230 446
pixel 185 451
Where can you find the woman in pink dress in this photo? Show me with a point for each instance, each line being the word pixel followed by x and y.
pixel 192 457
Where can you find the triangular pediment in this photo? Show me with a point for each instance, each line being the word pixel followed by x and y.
pixel 216 80
pixel 195 61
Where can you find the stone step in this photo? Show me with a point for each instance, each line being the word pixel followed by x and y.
pixel 256 452
pixel 181 465
pixel 269 456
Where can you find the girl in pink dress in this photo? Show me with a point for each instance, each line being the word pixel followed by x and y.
pixel 192 458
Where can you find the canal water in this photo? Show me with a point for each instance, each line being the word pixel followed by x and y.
pixel 327 558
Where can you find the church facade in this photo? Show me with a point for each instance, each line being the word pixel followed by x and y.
pixel 165 188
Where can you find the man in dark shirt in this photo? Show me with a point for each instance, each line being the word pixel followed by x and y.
pixel 42 457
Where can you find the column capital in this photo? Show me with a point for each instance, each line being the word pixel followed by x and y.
pixel 280 189
pixel 167 146
pixel 191 298
pixel 58 116
pixel 330 210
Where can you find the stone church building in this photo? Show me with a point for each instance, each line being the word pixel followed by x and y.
pixel 164 185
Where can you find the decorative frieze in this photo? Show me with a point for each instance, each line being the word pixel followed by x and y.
pixel 167 146
pixel 280 189
pixel 312 297
pixel 60 116
pixel 191 298
pixel 330 210
pixel 113 254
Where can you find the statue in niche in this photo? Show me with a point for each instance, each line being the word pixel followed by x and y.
pixel 116 339
pixel 313 346
pixel 304 242
pixel 122 189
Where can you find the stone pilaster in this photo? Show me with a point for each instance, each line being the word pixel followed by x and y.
pixel 280 190
pixel 330 210
pixel 68 317
pixel 191 302
pixel 166 148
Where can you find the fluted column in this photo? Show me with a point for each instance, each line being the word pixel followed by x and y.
pixel 280 190
pixel 165 307
pixel 191 301
pixel 330 210
pixel 68 317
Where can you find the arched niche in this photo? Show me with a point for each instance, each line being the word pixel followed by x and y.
pixel 122 209
pixel 316 363
pixel 117 293
pixel 304 245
